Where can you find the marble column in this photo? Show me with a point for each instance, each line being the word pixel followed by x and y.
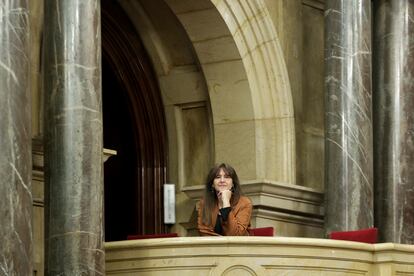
pixel 15 140
pixel 73 138
pixel 348 124
pixel 394 120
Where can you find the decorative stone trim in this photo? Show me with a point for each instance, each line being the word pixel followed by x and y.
pixel 257 256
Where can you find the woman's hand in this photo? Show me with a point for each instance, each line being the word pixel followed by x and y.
pixel 224 198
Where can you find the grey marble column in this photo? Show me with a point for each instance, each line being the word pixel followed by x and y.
pixel 394 120
pixel 15 140
pixel 73 138
pixel 348 124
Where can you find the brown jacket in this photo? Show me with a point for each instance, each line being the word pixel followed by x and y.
pixel 237 223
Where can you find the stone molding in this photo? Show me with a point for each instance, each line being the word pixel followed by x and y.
pixel 269 196
pixel 257 256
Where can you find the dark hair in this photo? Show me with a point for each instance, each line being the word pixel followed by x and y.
pixel 210 197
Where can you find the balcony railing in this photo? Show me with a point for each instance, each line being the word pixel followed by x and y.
pixel 256 256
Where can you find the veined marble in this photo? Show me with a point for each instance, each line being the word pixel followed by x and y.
pixel 73 138
pixel 394 121
pixel 348 120
pixel 15 140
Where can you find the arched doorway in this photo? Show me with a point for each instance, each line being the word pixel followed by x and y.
pixel 134 126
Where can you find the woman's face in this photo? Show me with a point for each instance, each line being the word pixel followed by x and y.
pixel 222 181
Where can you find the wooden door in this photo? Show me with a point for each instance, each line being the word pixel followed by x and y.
pixel 134 125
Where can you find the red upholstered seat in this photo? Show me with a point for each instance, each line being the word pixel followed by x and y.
pixel 152 236
pixel 368 235
pixel 263 231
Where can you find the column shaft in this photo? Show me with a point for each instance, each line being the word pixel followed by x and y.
pixel 394 120
pixel 73 138
pixel 15 140
pixel 348 129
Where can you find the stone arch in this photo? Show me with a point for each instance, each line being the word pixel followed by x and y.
pixel 246 70
pixel 242 64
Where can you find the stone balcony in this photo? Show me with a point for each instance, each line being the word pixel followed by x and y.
pixel 241 256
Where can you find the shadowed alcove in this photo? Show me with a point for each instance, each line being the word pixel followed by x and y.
pixel 134 126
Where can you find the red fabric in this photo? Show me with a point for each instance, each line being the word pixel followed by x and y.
pixel 263 231
pixel 152 236
pixel 368 235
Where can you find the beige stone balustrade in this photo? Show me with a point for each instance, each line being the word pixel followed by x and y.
pixel 256 256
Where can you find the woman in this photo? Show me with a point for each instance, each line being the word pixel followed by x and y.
pixel 224 211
